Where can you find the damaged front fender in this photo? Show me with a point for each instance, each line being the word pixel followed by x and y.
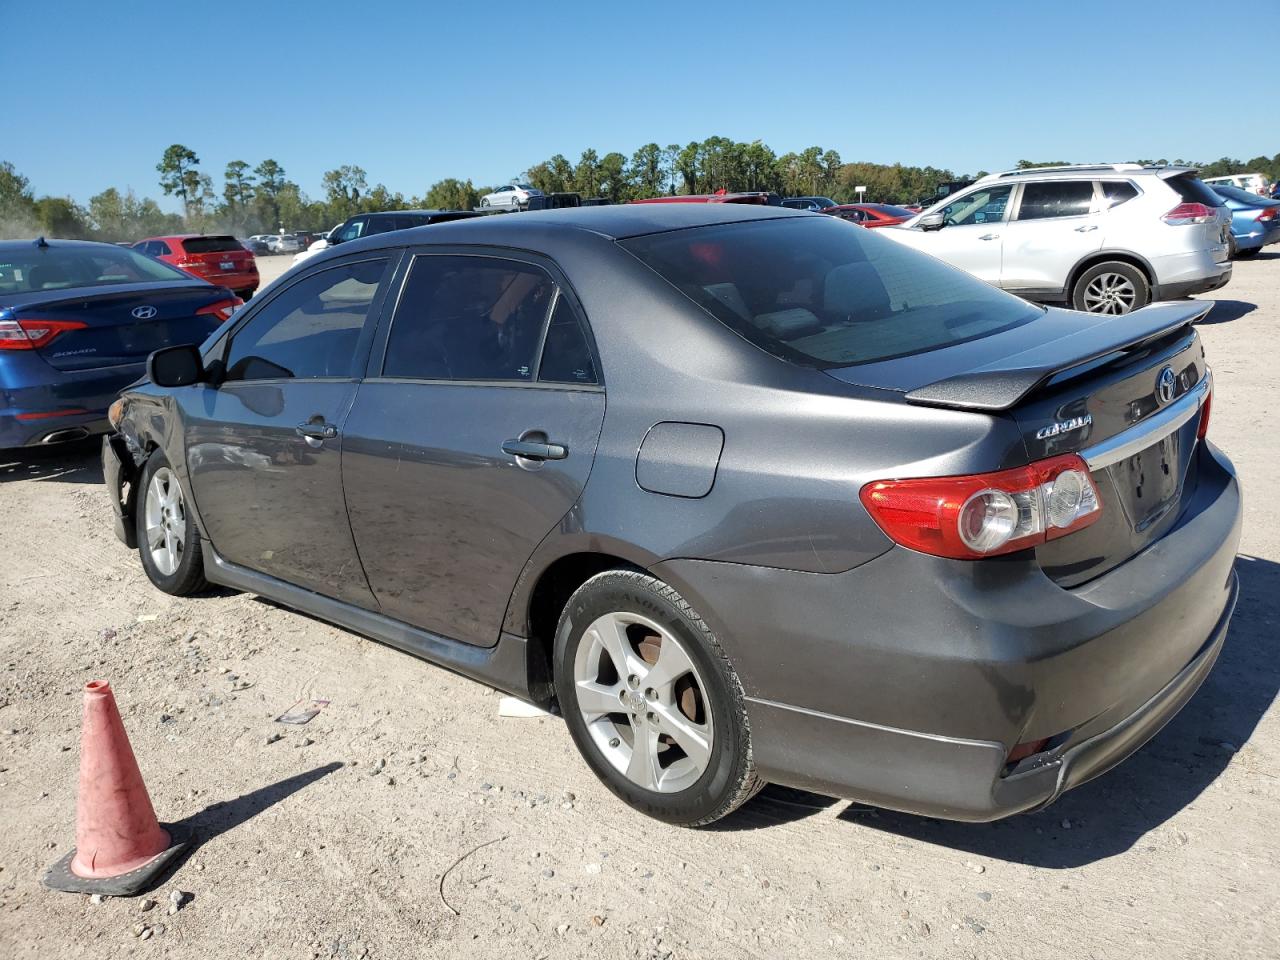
pixel 121 472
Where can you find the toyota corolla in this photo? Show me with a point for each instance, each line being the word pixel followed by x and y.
pixel 749 494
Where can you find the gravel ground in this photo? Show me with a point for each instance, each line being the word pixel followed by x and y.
pixel 407 819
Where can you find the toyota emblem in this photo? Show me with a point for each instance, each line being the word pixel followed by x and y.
pixel 1166 384
pixel 144 313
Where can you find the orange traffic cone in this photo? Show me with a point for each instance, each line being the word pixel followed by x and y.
pixel 120 848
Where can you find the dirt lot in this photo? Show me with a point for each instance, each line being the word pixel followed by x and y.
pixel 333 840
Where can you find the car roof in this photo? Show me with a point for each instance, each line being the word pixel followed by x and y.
pixel 13 246
pixel 617 222
pixel 1074 171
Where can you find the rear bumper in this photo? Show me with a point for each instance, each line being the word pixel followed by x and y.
pixel 1189 288
pixel 1258 236
pixel 1183 274
pixel 233 281
pixel 30 414
pixel 906 682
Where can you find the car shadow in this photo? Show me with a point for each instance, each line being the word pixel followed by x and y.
pixel 78 462
pixel 1224 311
pixel 1122 808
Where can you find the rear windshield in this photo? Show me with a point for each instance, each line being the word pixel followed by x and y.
pixel 1235 193
pixel 891 210
pixel 212 245
pixel 57 268
pixel 1192 190
pixel 819 292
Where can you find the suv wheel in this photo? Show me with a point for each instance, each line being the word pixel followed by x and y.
pixel 168 541
pixel 651 701
pixel 1113 287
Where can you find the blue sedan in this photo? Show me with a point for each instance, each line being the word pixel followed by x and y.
pixel 1255 220
pixel 77 322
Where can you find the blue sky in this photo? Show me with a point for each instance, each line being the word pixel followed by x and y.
pixel 414 92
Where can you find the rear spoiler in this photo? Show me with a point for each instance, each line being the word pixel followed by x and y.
pixel 1003 384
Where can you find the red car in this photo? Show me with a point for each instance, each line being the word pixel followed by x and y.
pixel 721 196
pixel 871 214
pixel 220 260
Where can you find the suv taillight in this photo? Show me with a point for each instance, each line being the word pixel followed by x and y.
pixel 1185 213
pixel 33 334
pixel 986 514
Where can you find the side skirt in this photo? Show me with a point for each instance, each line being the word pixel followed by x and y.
pixel 510 665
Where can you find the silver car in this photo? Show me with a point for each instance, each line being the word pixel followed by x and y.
pixel 1108 238
pixel 514 196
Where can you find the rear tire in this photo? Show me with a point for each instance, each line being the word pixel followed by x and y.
pixel 652 701
pixel 168 541
pixel 1246 254
pixel 1112 287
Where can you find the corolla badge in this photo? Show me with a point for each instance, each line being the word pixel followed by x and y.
pixel 144 313
pixel 1064 426
pixel 1166 384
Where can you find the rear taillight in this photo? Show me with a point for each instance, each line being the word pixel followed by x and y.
pixel 222 309
pixel 1268 214
pixel 33 334
pixel 1203 430
pixel 1185 213
pixel 986 514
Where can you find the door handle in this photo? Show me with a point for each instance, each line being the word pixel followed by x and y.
pixel 1086 228
pixel 534 450
pixel 315 432
pixel 990 236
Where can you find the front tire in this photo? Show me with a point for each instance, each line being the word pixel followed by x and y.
pixel 651 700
pixel 168 541
pixel 1113 287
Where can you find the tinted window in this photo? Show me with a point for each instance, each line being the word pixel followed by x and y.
pixel 813 291
pixel 58 268
pixel 1191 190
pixel 309 330
pixel 162 249
pixel 468 318
pixel 1057 198
pixel 566 357
pixel 985 205
pixel 212 245
pixel 1235 193
pixel 1118 191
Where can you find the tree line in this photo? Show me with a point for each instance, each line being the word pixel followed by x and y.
pixel 259 198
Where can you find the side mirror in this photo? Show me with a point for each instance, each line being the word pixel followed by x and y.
pixel 931 221
pixel 176 366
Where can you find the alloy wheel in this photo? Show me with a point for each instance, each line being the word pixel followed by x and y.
pixel 166 521
pixel 1111 293
pixel 643 703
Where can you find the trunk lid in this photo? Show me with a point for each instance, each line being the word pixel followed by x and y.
pixel 1124 392
pixel 122 326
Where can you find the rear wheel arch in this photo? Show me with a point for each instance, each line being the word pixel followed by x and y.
pixel 1105 256
pixel 547 597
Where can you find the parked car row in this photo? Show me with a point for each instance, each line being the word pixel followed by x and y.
pixel 846 498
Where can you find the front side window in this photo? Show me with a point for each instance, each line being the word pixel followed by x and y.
pixel 1056 198
pixel 311 329
pixel 985 205
pixel 468 318
pixel 814 292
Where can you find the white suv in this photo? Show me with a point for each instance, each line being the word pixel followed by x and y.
pixel 1106 239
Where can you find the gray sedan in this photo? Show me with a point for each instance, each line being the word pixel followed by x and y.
pixel 752 494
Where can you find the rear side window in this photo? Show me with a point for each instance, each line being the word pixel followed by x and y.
pixel 309 330
pixel 468 318
pixel 212 245
pixel 814 292
pixel 566 355
pixel 1118 191
pixel 1057 198
pixel 1192 190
